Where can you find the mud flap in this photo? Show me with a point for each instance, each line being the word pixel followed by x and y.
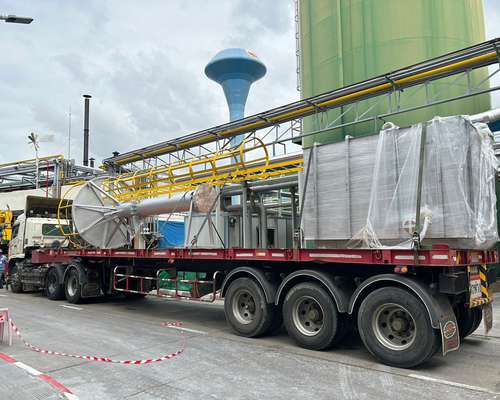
pixel 450 339
pixel 487 317
pixel 448 326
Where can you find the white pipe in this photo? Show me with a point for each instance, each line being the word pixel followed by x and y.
pixel 486 117
pixel 203 198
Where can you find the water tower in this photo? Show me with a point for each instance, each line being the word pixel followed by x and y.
pixel 235 69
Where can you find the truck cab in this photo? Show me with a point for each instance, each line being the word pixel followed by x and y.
pixel 38 227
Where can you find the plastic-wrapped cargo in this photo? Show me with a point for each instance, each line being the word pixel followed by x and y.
pixel 364 192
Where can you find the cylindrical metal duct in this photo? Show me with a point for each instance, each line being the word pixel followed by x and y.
pixel 87 98
pixel 104 222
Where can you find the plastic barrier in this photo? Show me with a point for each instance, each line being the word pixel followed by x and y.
pixel 105 359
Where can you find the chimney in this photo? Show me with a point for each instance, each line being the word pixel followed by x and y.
pixel 87 98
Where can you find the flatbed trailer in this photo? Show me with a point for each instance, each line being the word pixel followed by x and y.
pixel 321 295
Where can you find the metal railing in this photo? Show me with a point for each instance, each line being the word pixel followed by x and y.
pixel 131 283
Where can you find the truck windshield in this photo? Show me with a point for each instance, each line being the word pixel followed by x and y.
pixel 55 229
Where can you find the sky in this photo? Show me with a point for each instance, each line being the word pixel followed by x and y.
pixel 142 62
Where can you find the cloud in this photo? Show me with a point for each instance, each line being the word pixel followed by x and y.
pixel 143 66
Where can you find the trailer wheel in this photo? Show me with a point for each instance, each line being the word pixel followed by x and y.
pixel 15 282
pixel 395 327
pixel 468 321
pixel 247 310
pixel 310 316
pixel 54 289
pixel 72 287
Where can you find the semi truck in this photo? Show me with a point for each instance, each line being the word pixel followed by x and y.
pixel 413 281
pixel 407 305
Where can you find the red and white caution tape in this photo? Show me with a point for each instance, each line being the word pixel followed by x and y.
pixel 105 359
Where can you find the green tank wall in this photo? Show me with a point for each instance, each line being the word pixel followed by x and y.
pixel 347 41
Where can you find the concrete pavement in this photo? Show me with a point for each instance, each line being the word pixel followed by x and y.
pixel 217 364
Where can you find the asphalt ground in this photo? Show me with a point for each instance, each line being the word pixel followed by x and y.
pixel 216 363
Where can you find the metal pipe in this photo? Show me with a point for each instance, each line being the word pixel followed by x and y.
pixel 294 218
pixel 200 200
pixel 263 188
pixel 245 220
pixel 486 117
pixel 87 98
pixel 263 224
pixel 238 207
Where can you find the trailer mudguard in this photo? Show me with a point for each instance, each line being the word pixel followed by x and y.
pixel 340 294
pixel 438 306
pixel 268 287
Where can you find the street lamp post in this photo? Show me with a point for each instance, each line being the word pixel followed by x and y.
pixel 15 19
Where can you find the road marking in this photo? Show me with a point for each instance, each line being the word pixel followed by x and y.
pixel 40 375
pixel 27 368
pixel 187 330
pixel 71 307
pixel 451 383
pixel 3 295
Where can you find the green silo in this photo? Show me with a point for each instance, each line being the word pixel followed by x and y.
pixel 347 41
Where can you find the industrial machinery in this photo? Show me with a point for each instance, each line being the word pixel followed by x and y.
pixel 5 226
pixel 407 302
pixel 104 222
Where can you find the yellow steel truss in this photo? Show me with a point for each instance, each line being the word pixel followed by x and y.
pixel 249 161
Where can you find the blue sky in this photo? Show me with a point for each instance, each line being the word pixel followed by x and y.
pixel 142 64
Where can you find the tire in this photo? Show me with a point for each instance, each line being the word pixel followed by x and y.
pixel 54 289
pixel 310 316
pixel 396 329
pixel 469 320
pixel 72 287
pixel 246 309
pixel 14 280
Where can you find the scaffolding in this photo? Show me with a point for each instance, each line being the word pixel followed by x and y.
pixel 49 173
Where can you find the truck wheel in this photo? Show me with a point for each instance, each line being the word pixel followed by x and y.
pixel 310 316
pixel 468 321
pixel 395 327
pixel 15 282
pixel 54 289
pixel 72 287
pixel 246 309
